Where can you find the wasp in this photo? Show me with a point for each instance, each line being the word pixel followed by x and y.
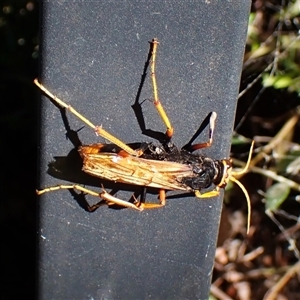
pixel 164 166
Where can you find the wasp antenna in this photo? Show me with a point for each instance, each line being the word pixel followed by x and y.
pixel 243 171
pixel 247 198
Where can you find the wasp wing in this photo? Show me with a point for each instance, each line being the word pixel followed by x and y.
pixel 137 171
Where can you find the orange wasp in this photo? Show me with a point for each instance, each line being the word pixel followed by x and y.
pixel 164 167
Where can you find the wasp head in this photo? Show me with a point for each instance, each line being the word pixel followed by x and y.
pixel 224 168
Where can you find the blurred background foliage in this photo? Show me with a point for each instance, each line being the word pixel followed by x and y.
pixel 247 267
pixel 265 264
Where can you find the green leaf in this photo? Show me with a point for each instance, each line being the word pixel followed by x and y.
pixel 238 139
pixel 283 82
pixel 276 195
pixel 268 80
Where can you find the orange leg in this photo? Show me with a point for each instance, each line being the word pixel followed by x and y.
pixel 108 198
pixel 98 129
pixel 157 102
pixel 208 194
pixel 162 201
pixel 212 121
pixel 103 195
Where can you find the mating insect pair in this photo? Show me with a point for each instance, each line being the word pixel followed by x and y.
pixel 164 167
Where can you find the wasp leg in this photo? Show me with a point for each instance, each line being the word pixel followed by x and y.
pixel 157 103
pixel 212 122
pixel 209 194
pixel 162 201
pixel 114 200
pixel 103 195
pixel 98 129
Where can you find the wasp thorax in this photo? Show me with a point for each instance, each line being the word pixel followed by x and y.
pixel 204 173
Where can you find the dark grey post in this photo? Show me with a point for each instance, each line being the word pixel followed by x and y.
pixel 93 55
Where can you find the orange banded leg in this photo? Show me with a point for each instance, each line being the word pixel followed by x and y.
pixel 104 195
pixel 157 103
pixel 212 122
pixel 162 201
pixel 98 129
